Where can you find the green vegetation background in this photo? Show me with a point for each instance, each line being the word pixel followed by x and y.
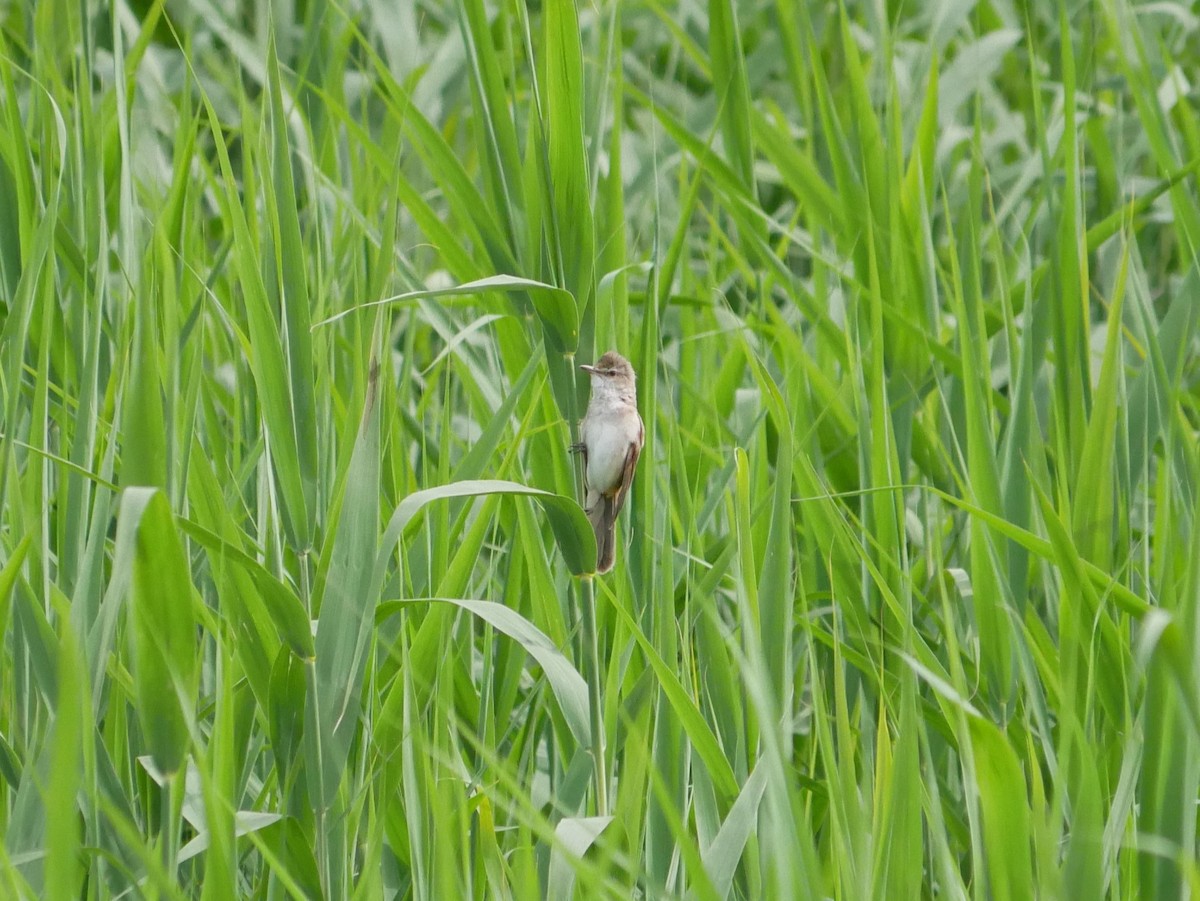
pixel 293 586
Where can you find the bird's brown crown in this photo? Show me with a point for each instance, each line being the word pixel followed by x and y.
pixel 613 364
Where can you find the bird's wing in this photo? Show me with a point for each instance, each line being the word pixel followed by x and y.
pixel 631 461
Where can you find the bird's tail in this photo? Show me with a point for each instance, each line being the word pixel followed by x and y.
pixel 603 517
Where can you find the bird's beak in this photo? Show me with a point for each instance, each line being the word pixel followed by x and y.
pixel 586 368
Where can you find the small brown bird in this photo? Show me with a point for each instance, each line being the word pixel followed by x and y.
pixel 611 437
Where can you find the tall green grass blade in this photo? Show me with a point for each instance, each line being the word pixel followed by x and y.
pixel 731 87
pixel 344 621
pixel 291 275
pixel 163 627
pixel 64 873
pixel 1005 815
pixel 568 194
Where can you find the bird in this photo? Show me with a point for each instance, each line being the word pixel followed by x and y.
pixel 611 438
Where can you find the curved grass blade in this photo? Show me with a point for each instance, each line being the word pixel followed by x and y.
pixel 565 682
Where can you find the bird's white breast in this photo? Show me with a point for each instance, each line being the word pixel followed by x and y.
pixel 608 438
